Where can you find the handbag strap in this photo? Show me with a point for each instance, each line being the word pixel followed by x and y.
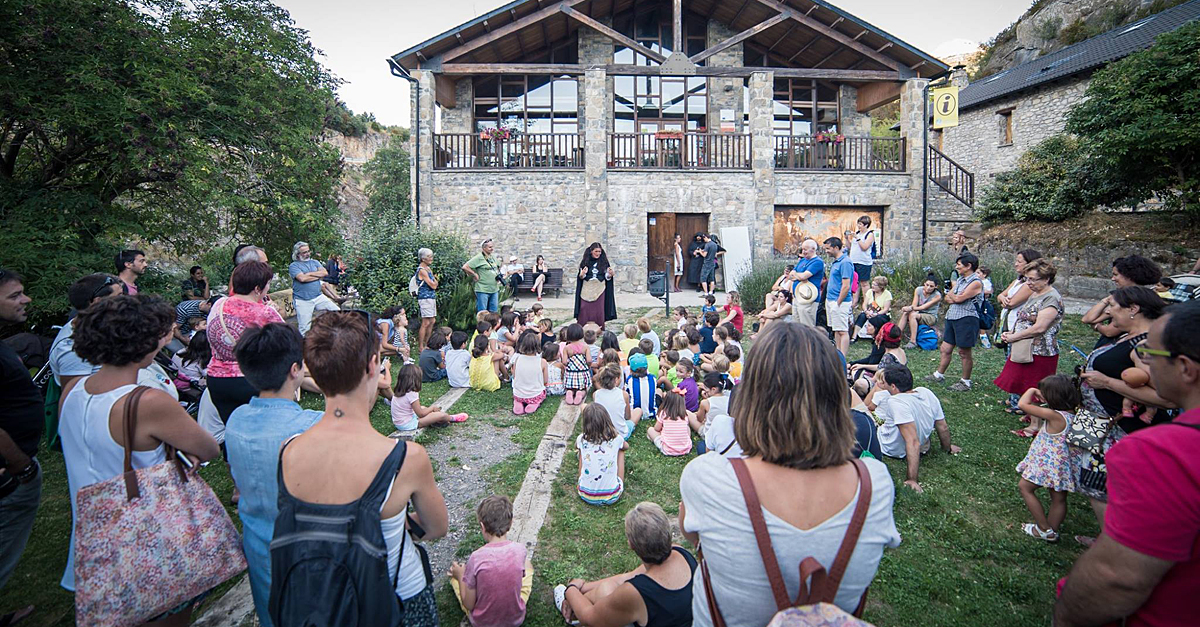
pixel 132 491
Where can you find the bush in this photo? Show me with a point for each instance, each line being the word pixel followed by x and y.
pixel 1048 29
pixel 754 285
pixel 1055 180
pixel 906 273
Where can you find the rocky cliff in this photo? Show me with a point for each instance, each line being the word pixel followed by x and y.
pixel 1049 25
pixel 352 194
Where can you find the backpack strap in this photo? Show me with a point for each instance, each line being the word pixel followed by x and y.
pixel 761 535
pixel 851 540
pixel 378 490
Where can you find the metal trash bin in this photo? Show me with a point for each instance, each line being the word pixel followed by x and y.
pixel 656 283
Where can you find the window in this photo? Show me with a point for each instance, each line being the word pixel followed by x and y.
pixel 803 107
pixel 1006 127
pixel 527 103
pixel 648 104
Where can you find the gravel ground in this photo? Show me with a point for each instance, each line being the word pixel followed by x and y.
pixel 459 463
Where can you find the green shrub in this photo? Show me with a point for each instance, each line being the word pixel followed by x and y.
pixel 1048 29
pixel 753 286
pixel 1075 32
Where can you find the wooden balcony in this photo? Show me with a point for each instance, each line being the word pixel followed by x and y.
pixel 837 152
pixel 679 151
pixel 531 151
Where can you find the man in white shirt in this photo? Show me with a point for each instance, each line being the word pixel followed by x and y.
pixel 513 274
pixel 910 416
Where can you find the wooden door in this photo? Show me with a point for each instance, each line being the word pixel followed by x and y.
pixel 660 235
pixel 687 225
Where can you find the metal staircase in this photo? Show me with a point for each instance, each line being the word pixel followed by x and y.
pixel 951 177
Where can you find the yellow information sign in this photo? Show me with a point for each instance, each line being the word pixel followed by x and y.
pixel 945 107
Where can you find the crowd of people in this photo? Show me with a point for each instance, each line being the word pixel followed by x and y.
pixel 790 410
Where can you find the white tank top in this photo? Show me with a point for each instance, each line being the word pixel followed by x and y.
pixel 411 580
pixel 857 254
pixel 614 401
pixel 90 452
pixel 718 405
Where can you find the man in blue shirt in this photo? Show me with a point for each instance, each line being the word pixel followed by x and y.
pixel 837 294
pixel 809 270
pixel 270 358
pixel 306 286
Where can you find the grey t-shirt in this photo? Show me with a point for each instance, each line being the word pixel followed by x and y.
pixel 710 259
pixel 717 511
pixel 305 291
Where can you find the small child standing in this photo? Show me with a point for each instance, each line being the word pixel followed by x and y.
pixel 601 458
pixel 458 361
pixel 639 385
pixel 710 304
pixel 554 373
pixel 529 375
pixel 577 374
pixel 612 397
pixel 494 586
pixel 670 432
pixel 408 414
pixel 685 370
pixel 643 326
pixel 486 365
pixel 1047 464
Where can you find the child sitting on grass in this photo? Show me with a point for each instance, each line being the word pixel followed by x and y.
pixel 593 349
pixel 1047 464
pixel 710 304
pixel 494 586
pixel 630 340
pixel 611 396
pixel 507 332
pixel 681 347
pixel 609 356
pixel 685 370
pixel 433 366
pixel 529 375
pixel 640 386
pixel 667 370
pixel 647 348
pixel 534 317
pixel 718 423
pixel 554 370
pixel 707 343
pixel 681 317
pixel 609 341
pixel 648 333
pixel 601 458
pixel 733 353
pixel 693 346
pixel 487 366
pixel 458 361
pixel 670 432
pixel 715 402
pixel 408 414
pixel 577 371
pixel 546 326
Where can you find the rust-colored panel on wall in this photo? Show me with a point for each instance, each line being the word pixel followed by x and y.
pixel 793 224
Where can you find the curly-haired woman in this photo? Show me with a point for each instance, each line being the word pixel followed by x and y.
pixel 120 334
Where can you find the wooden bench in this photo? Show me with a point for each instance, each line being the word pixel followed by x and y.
pixel 554 280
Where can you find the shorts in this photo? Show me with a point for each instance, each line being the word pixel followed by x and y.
pixel 630 427
pixel 708 273
pixel 926 319
pixel 838 316
pixel 864 273
pixel 962 333
pixel 428 307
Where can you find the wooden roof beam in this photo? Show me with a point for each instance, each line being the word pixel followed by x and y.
pixel 828 31
pixel 610 33
pixel 817 37
pixel 738 38
pixel 576 69
pixel 785 36
pixel 503 31
pixel 739 13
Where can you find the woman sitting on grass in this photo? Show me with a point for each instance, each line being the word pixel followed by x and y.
pixel 601 458
pixel 793 424
pixel 658 593
pixel 779 307
pixel 885 352
pixel 408 414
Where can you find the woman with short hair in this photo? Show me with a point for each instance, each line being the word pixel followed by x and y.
pixel 427 285
pixel 792 421
pixel 1038 321
pixel 229 317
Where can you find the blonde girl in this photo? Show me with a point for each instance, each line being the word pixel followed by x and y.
pixel 486 365
pixel 670 432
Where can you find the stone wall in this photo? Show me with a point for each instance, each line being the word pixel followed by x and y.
pixel 460 119
pixel 976 142
pixel 596 49
pixel 852 123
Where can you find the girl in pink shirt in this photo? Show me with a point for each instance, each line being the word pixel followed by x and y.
pixel 671 433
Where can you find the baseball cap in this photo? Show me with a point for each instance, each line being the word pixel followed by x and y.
pixel 637 360
pixel 513 258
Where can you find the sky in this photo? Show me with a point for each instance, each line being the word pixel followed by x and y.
pixel 356 36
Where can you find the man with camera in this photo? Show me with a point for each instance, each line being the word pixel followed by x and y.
pixel 21 423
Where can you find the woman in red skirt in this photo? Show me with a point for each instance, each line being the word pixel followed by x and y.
pixel 1033 341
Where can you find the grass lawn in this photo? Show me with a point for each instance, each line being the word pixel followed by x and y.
pixel 963 559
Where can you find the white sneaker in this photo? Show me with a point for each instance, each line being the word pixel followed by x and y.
pixel 560 595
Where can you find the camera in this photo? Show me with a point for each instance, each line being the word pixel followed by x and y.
pixel 947 284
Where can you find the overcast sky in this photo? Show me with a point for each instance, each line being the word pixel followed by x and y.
pixel 357 35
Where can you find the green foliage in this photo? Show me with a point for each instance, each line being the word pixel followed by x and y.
pixel 1048 28
pixel 1053 181
pixel 1075 32
pixel 186 126
pixel 905 273
pixel 340 118
pixel 753 286
pixel 1140 122
pixel 884 118
pixel 388 189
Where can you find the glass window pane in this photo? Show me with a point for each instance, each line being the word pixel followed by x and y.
pixel 566 95
pixel 623 124
pixel 624 56
pixel 512 89
pixel 697 105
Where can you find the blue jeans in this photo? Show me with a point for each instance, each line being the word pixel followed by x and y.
pixel 17 511
pixel 490 302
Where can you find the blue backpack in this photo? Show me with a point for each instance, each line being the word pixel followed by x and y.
pixel 926 339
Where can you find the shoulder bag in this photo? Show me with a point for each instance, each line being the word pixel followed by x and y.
pixel 149 540
pixel 1088 431
pixel 813 605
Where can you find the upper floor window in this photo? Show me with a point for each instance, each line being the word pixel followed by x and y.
pixel 803 107
pixel 527 103
pixel 652 27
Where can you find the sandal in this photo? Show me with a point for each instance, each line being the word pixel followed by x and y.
pixel 560 595
pixel 1086 541
pixel 1014 411
pixel 1026 420
pixel 12 618
pixel 1031 529
pixel 1022 433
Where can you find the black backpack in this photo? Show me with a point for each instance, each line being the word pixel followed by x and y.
pixel 329 562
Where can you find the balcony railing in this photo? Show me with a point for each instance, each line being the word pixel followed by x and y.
pixel 682 151
pixel 951 176
pixel 469 151
pixel 852 154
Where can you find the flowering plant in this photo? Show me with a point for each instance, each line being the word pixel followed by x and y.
pixel 494 134
pixel 830 138
pixel 668 135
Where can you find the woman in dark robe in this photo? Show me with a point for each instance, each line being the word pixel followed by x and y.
pixel 694 260
pixel 594 294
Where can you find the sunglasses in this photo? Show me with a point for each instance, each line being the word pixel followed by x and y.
pixel 103 289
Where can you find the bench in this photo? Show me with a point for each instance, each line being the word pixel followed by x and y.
pixel 554 280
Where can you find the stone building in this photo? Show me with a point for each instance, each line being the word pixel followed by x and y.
pixel 1004 115
pixel 549 124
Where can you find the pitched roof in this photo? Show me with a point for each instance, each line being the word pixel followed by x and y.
pixel 800 45
pixel 1082 57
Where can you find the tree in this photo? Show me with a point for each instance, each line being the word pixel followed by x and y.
pixel 1140 122
pixel 389 185
pixel 186 125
